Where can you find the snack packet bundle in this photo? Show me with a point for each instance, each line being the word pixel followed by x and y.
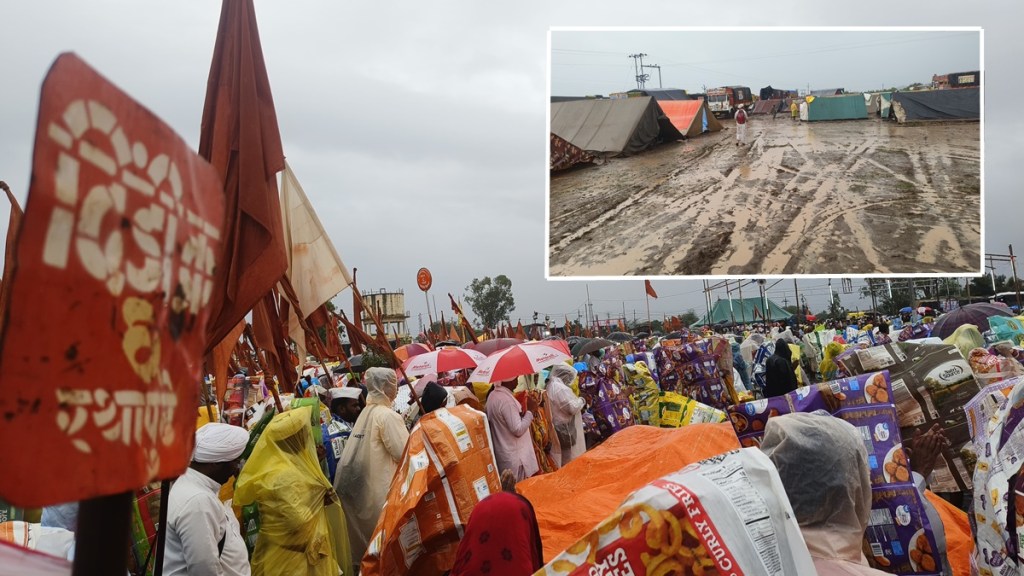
pixel 676 410
pixel 725 515
pixel 448 466
pixel 607 403
pixel 983 409
pixel 542 431
pixel 931 384
pixel 692 369
pixel 759 364
pixel 997 521
pixel 898 537
pixel 644 398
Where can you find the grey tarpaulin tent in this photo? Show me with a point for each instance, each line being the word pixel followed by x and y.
pixel 953 104
pixel 617 127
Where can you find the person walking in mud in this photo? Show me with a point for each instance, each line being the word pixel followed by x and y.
pixel 794 109
pixel 741 126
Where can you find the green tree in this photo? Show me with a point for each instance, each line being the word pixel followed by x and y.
pixel 835 309
pixel 688 318
pixel 491 300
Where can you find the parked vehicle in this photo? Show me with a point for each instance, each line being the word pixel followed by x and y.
pixel 723 102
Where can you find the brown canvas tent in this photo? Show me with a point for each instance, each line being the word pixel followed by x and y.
pixel 617 127
pixel 770 106
pixel 565 155
pixel 690 117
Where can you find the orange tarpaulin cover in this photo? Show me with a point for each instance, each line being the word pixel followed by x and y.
pixel 686 116
pixel 959 543
pixel 571 501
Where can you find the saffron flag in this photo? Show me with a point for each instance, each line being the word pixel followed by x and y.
pixel 13 224
pixel 239 136
pixel 650 289
pixel 102 351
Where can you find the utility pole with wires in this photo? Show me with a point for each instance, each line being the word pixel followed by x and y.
pixel 642 66
pixel 638 68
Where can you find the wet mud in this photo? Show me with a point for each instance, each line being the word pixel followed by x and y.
pixel 852 197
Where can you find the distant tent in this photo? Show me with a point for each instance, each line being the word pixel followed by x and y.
pixel 617 127
pixel 565 155
pixel 770 106
pixel 884 104
pixel 871 102
pixel 769 93
pixel 746 310
pixel 574 98
pixel 691 117
pixel 828 92
pixel 958 104
pixel 846 107
pixel 662 94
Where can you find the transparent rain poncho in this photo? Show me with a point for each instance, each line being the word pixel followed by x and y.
pixel 823 464
pixel 302 526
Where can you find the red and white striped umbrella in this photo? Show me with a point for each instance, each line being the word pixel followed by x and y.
pixel 442 360
pixel 518 360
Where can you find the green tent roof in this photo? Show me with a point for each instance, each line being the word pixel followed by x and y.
pixel 746 310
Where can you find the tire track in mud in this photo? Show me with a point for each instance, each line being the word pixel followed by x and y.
pixel 797 199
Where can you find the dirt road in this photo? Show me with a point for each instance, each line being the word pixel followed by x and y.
pixel 851 197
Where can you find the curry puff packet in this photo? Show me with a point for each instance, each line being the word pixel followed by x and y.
pixel 724 515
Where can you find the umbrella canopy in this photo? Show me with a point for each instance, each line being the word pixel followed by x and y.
pixel 356 362
pixel 620 337
pixel 924 310
pixel 489 347
pixel 443 360
pixel 590 345
pixel 906 310
pixel 977 314
pixel 518 360
pixel 403 353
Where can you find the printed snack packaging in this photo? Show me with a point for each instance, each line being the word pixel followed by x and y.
pixel 998 501
pixel 448 466
pixel 692 369
pixel 145 520
pixel 644 398
pixel 724 515
pixel 898 536
pixel 677 410
pixel 931 384
pixel 608 406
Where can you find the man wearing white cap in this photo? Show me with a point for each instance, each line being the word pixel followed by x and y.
pixel 345 409
pixel 203 536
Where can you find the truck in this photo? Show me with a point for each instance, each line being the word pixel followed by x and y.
pixel 723 102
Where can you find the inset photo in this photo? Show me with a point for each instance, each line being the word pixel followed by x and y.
pixel 841 152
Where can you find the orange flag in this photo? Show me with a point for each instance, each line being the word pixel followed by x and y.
pixel 222 358
pixel 240 138
pixel 520 333
pixel 650 289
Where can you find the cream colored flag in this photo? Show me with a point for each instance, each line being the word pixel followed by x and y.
pixel 314 267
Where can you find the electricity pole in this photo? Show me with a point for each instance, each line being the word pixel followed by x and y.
pixel 641 78
pixel 642 66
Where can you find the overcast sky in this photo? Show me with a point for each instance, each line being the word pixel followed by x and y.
pixel 419 132
pixel 598 62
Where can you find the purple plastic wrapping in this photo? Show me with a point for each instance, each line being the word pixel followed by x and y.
pixel 692 370
pixel 898 524
pixel 608 408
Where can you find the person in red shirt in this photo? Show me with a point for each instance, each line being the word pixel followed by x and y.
pixel 741 126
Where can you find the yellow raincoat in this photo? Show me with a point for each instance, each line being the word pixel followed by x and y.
pixel 302 526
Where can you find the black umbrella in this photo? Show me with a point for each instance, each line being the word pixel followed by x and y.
pixel 977 314
pixel 590 345
pixel 620 337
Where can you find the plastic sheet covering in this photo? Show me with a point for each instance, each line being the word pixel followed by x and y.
pixel 1004 328
pixel 959 542
pixel 966 338
pixel 446 469
pixel 571 501
pixel 302 526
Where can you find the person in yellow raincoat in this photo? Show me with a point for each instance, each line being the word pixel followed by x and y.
pixel 302 526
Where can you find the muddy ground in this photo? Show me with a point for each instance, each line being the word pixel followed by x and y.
pixel 851 197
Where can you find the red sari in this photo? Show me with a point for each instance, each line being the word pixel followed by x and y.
pixel 502 538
